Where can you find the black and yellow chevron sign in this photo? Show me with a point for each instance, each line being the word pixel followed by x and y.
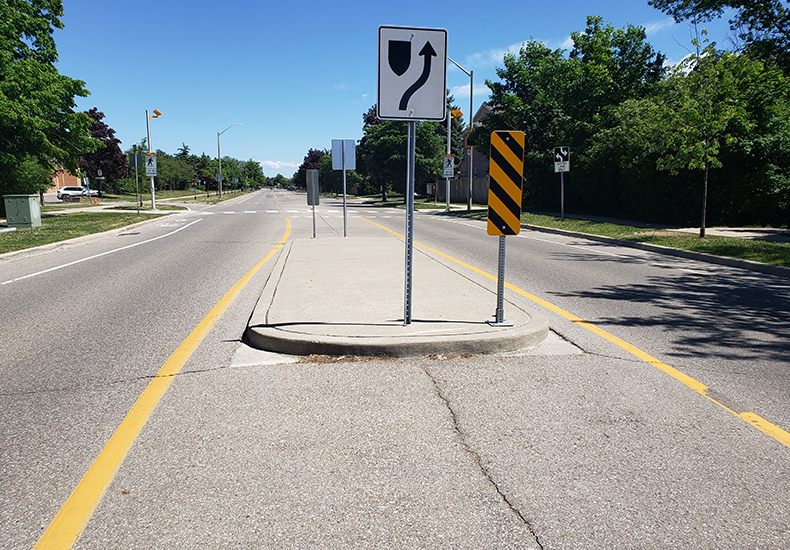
pixel 504 192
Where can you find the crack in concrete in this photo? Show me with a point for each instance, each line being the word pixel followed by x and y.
pixel 478 459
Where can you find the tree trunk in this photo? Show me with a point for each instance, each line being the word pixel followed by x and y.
pixel 704 195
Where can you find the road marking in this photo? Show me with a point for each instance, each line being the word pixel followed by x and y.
pixel 574 245
pixel 750 418
pixel 728 279
pixel 70 521
pixel 98 255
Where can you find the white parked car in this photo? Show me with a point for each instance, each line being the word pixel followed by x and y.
pixel 72 192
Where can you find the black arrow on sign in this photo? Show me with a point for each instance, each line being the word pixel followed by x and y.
pixel 428 52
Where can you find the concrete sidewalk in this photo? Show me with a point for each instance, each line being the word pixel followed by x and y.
pixel 338 296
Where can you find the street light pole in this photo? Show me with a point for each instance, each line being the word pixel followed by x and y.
pixel 219 157
pixel 148 118
pixel 471 75
pixel 449 152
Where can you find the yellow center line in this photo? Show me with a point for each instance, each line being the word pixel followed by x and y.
pixel 750 418
pixel 73 516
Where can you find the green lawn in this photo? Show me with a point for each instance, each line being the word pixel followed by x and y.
pixel 732 247
pixel 59 228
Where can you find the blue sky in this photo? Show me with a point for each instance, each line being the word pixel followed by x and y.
pixel 296 74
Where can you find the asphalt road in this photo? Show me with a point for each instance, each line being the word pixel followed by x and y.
pixel 587 448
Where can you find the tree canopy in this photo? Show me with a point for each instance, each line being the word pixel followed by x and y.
pixel 558 97
pixel 763 25
pixel 108 158
pixel 645 142
pixel 648 142
pixel 39 127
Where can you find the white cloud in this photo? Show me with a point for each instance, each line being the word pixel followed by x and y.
pixel 658 26
pixel 462 91
pixel 489 58
pixel 279 166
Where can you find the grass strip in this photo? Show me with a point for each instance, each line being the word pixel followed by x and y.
pixel 60 228
pixel 732 247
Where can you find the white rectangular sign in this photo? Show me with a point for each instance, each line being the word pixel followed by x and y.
pixel 562 159
pixel 341 148
pixel 448 171
pixel 412 78
pixel 150 165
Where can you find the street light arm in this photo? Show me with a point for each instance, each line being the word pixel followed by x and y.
pixel 457 65
pixel 228 128
pixel 219 157
pixel 471 75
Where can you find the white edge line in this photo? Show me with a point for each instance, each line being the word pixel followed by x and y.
pixel 98 255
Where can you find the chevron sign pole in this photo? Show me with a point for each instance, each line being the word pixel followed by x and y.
pixel 504 202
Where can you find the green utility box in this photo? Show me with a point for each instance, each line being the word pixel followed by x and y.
pixel 22 210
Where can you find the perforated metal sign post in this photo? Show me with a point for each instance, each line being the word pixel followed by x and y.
pixel 412 86
pixel 344 158
pixel 562 164
pixel 312 192
pixel 504 201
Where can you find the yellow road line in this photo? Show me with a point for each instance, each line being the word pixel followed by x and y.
pixel 73 516
pixel 752 419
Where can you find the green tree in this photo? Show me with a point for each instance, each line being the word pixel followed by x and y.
pixel 253 173
pixel 38 124
pixel 763 25
pixel 174 173
pixel 385 150
pixel 698 108
pixel 280 181
pixel 108 158
pixel 333 179
pixel 719 109
pixel 312 161
pixel 565 100
pixel 616 65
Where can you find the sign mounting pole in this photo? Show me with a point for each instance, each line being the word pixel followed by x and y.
pixel 410 164
pixel 312 192
pixel 344 158
pixel 562 164
pixel 412 86
pixel 504 202
pixel 500 291
pixel 345 211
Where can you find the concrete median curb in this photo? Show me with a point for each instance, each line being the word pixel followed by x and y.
pixel 345 297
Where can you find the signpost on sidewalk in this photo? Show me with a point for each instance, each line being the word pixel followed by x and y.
pixel 344 157
pixel 562 164
pixel 150 158
pixel 136 160
pixel 504 202
pixel 412 86
pixel 312 192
